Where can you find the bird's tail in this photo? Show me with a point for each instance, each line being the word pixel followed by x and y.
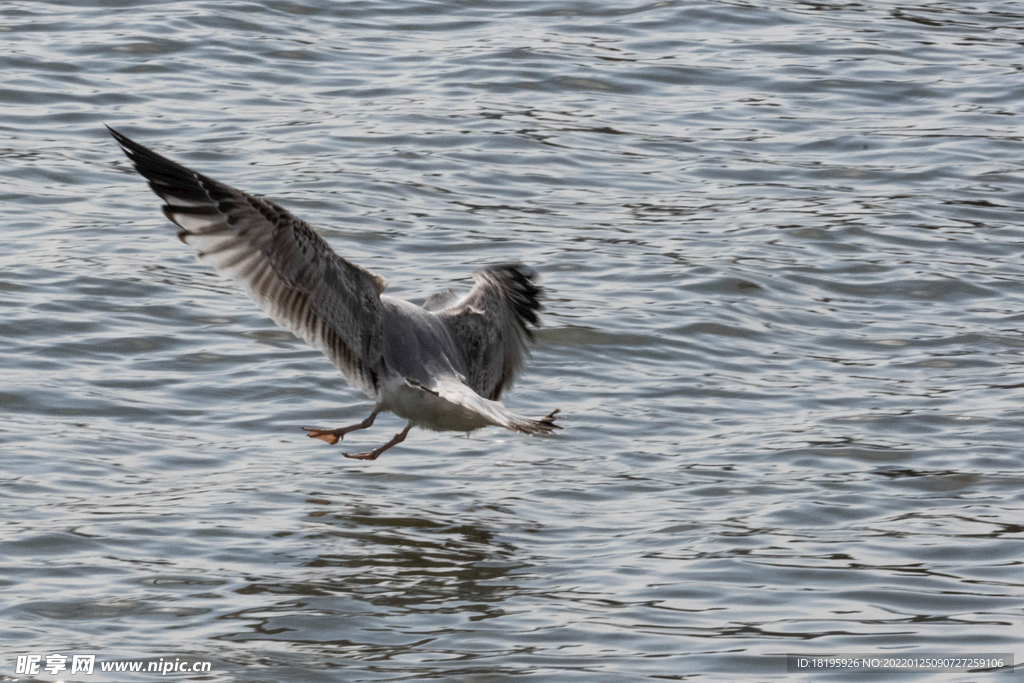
pixel 494 412
pixel 526 425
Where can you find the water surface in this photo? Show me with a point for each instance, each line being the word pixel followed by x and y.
pixel 783 249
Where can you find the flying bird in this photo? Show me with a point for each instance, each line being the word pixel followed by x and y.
pixel 441 366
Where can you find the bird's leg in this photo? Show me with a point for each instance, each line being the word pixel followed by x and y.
pixel 372 455
pixel 333 436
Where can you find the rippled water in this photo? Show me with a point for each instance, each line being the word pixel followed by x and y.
pixel 785 261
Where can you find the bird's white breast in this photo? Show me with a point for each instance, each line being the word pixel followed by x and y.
pixel 428 410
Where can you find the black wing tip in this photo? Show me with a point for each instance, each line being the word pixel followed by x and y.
pixel 519 271
pixel 524 294
pixel 516 272
pixel 127 144
pixel 135 152
pixel 168 178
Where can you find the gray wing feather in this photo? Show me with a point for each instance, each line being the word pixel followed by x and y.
pixel 284 265
pixel 492 326
pixel 441 300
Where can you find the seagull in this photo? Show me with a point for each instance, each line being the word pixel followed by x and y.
pixel 440 366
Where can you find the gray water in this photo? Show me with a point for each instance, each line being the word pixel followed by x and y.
pixel 784 255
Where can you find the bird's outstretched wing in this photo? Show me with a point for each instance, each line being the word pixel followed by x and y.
pixel 286 267
pixel 492 326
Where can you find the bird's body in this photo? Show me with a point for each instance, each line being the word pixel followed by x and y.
pixel 441 366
